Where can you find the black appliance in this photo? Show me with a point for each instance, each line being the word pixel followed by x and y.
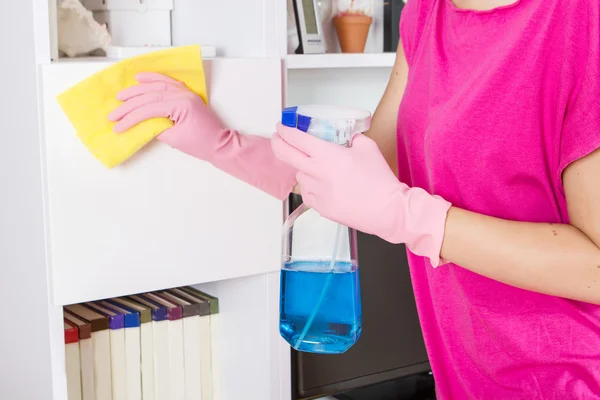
pixel 392 10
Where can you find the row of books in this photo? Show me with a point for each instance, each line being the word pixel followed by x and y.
pixel 161 345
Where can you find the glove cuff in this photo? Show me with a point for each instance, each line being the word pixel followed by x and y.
pixel 421 223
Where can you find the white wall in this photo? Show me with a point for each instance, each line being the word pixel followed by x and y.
pixel 239 29
pixel 355 87
pixel 24 346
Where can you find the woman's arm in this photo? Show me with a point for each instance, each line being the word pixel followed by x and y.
pixel 383 123
pixel 555 259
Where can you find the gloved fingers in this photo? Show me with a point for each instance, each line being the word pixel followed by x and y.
pixel 148 77
pixel 142 100
pixel 308 185
pixel 308 144
pixel 289 154
pixel 308 197
pixel 364 144
pixel 142 88
pixel 164 109
pixel 307 182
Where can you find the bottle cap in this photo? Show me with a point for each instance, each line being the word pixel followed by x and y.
pixel 336 124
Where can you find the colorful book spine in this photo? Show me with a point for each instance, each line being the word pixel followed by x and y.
pixel 133 356
pixel 175 343
pixel 117 349
pixel 160 335
pixel 86 355
pixel 202 339
pixel 191 344
pixel 100 348
pixel 146 345
pixel 72 361
pixel 215 327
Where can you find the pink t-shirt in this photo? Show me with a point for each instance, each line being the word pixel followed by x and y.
pixel 497 104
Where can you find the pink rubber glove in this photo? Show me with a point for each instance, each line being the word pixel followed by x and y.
pixel 355 187
pixel 199 132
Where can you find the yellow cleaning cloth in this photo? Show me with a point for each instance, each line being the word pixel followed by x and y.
pixel 88 103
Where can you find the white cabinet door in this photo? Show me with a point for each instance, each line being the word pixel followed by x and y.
pixel 163 219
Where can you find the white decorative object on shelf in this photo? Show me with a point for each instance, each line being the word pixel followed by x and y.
pixel 320 61
pixel 78 32
pixel 135 22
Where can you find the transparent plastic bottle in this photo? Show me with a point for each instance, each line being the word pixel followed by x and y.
pixel 320 303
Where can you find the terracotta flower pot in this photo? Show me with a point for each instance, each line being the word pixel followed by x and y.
pixel 352 32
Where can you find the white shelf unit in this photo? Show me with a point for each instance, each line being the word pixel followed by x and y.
pixel 336 78
pixel 73 231
pixel 164 219
pixel 338 60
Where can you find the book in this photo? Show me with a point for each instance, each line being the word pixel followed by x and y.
pixel 203 339
pixel 175 343
pixel 146 345
pixel 116 324
pixel 100 348
pixel 133 373
pixel 160 336
pixel 215 327
pixel 72 362
pixel 195 314
pixel 86 355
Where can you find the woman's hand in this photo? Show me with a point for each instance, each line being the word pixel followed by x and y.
pixel 355 187
pixel 197 130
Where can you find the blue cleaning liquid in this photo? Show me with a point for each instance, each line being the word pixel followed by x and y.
pixel 338 322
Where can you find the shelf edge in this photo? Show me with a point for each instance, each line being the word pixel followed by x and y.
pixel 330 61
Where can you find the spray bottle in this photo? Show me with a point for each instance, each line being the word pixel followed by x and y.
pixel 320 303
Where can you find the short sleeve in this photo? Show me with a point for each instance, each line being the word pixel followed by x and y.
pixel 412 22
pixel 580 134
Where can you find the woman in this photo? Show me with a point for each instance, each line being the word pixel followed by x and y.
pixel 491 123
